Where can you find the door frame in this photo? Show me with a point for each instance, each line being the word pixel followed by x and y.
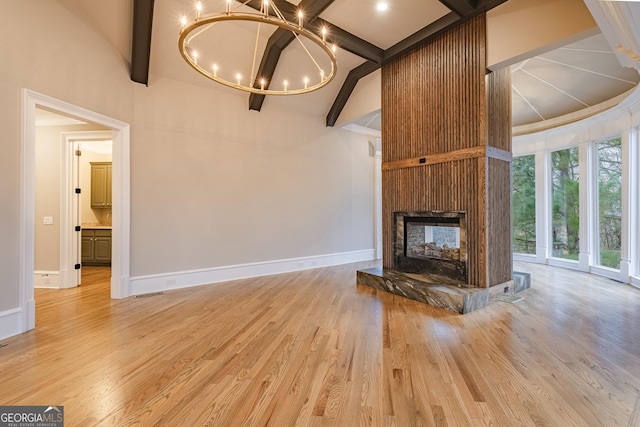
pixel 120 264
pixel 69 240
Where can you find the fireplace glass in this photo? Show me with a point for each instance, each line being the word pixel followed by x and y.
pixel 432 242
pixel 440 241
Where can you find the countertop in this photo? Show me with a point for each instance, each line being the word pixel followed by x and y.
pixel 95 227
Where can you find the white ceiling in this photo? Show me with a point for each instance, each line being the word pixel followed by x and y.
pixel 555 83
pixel 383 29
pixel 566 80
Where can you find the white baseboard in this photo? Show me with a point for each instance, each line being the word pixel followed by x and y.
pixel 47 279
pixel 11 322
pixel 184 279
pixel 635 281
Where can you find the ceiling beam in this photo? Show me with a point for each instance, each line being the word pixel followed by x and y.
pixel 460 7
pixel 460 12
pixel 347 88
pixel 278 41
pixel 349 42
pixel 421 36
pixel 141 40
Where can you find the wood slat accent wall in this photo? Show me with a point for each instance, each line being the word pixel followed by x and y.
pixel 433 98
pixel 499 109
pixel 499 249
pixel 435 107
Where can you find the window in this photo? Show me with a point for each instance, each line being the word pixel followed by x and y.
pixel 565 232
pixel 523 207
pixel 609 176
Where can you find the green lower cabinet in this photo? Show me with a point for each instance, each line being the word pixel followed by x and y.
pixel 96 247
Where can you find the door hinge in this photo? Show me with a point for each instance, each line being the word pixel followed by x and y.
pixel 77 266
pixel 78 190
pixel 78 228
pixel 78 153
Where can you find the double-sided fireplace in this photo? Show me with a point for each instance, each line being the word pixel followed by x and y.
pixel 431 242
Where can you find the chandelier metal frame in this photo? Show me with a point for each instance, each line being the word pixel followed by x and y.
pixel 259 85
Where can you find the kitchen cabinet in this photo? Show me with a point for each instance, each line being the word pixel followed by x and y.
pixel 100 185
pixel 96 246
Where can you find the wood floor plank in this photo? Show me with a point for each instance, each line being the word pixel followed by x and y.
pixel 313 348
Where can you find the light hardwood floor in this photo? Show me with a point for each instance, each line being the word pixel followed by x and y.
pixel 312 348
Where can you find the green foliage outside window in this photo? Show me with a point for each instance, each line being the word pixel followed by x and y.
pixel 523 171
pixel 609 162
pixel 566 204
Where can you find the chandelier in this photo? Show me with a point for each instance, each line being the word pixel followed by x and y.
pixel 207 64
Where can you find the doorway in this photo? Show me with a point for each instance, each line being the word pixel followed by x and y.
pixel 120 194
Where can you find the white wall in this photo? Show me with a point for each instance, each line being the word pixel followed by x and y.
pixel 212 183
pixel 227 186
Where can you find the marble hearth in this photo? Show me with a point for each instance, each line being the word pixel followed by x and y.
pixel 439 291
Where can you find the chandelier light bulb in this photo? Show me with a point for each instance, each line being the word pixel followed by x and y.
pixel 261 84
pixel 238 78
pixel 324 34
pixel 300 16
pixel 321 75
pixel 334 48
pixel 228 6
pixel 286 83
pixel 215 70
pixel 183 20
pixel 382 6
pixel 306 82
pixel 198 9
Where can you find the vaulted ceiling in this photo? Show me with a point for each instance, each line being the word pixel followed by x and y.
pixel 551 84
pixel 367 38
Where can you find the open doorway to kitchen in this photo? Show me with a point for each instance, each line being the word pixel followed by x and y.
pixel 30 218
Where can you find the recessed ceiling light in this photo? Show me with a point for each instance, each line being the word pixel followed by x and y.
pixel 382 6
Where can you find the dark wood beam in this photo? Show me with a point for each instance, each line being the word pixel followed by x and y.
pixel 461 12
pixel 460 7
pixel 421 36
pixel 347 88
pixel 278 41
pixel 344 39
pixel 349 42
pixel 141 40
pixel 486 5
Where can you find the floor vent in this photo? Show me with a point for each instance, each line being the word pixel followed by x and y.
pixel 150 294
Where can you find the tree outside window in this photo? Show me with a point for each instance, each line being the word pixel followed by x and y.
pixel 523 207
pixel 609 167
pixel 566 204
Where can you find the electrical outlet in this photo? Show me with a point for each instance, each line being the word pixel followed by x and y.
pixel 47 220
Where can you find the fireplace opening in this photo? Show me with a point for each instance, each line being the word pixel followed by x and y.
pixel 431 242
pixel 426 238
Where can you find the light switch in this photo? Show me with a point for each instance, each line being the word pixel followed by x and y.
pixel 48 220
